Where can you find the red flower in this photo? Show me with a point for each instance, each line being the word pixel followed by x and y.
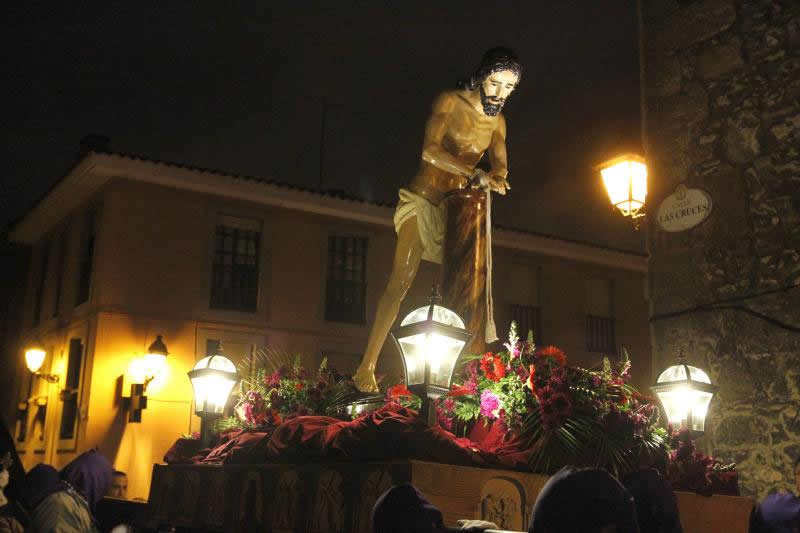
pixel 493 367
pixel 459 391
pixel 298 386
pixel 530 383
pixel 399 390
pixel 276 417
pixel 556 354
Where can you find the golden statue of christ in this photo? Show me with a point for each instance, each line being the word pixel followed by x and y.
pixel 464 124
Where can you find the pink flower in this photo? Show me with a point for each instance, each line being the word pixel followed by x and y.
pixel 490 404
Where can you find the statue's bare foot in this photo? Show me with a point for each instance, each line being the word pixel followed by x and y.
pixel 365 380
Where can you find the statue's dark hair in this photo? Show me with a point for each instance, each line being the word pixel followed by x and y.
pixel 496 59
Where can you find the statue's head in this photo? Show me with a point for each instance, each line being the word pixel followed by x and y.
pixel 497 76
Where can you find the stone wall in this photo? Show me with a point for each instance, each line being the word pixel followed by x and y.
pixel 721 112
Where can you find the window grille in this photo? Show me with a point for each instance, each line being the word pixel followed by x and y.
pixel 600 335
pixel 346 288
pixel 234 278
pixel 69 413
pixel 528 318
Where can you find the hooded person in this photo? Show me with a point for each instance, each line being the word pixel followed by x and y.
pixel 91 475
pixel 777 513
pixel 403 509
pixel 588 500
pixel 53 504
pixel 656 504
pixel 12 518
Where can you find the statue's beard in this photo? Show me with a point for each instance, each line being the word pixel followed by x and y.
pixel 491 109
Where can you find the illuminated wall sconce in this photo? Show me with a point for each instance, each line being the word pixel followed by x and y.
pixel 625 179
pixel 34 358
pixel 143 370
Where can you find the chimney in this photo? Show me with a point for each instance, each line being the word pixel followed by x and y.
pixel 94 143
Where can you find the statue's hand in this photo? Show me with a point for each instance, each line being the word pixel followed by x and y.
pixel 479 179
pixel 498 184
pixel 494 183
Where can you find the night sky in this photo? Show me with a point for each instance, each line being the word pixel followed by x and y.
pixel 244 90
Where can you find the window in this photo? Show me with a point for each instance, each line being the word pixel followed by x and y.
pixel 87 256
pixel 528 318
pixel 234 276
pixel 62 252
pixel 346 287
pixel 37 309
pixel 69 412
pixel 600 334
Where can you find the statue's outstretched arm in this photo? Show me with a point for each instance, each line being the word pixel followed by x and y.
pixel 432 150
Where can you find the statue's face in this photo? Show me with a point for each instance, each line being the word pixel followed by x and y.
pixel 3 478
pixel 495 88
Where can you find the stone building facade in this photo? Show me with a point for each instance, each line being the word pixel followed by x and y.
pixel 721 112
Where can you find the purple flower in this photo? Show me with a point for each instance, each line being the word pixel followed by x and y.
pixel 596 380
pixel 490 404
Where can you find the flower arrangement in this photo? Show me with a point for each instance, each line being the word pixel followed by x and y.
pixel 563 414
pixel 284 388
pixel 691 470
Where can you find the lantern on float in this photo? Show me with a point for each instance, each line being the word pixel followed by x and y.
pixel 213 378
pixel 430 340
pixel 685 392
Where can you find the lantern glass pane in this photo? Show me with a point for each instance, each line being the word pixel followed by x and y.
pixel 442 354
pixel 678 373
pixel 217 362
pixel 155 368
pixel 34 359
pixel 616 178
pixel 681 401
pixel 440 314
pixel 413 349
pixel 211 393
pixel 701 402
pixel 440 351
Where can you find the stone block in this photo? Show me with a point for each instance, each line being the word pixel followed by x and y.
pixel 662 75
pixel 740 142
pixel 738 430
pixel 685 27
pixel 721 60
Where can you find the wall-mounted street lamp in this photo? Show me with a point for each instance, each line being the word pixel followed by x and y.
pixel 143 370
pixel 625 179
pixel 34 358
pixel 212 378
pixel 430 340
pixel 685 392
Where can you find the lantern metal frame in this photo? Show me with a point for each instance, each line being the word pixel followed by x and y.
pixel 426 390
pixel 691 384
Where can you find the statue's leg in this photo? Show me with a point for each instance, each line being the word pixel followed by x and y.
pixel 407 256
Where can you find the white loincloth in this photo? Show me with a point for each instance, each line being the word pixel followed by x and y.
pixel 431 222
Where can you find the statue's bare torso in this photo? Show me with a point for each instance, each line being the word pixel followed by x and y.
pixel 457 131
